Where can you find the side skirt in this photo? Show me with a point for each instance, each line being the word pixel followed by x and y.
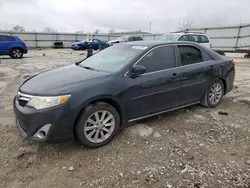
pixel 157 113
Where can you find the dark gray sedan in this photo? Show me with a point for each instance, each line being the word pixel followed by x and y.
pixel 92 99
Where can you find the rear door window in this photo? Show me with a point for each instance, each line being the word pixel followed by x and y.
pixel 7 38
pixel 193 38
pixel 183 38
pixel 10 38
pixel 190 55
pixel 158 59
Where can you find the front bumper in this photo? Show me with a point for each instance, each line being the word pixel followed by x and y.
pixel 29 121
pixel 75 47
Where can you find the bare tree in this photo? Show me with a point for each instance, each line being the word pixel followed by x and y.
pixel 111 31
pixel 18 28
pixel 185 24
pixel 49 30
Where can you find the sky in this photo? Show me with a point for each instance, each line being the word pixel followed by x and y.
pixel 121 15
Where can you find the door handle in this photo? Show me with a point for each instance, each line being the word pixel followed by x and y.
pixel 174 75
pixel 211 67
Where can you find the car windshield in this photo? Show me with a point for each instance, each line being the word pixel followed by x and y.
pixel 113 58
pixel 168 37
pixel 122 39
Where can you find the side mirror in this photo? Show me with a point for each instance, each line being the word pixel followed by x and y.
pixel 137 70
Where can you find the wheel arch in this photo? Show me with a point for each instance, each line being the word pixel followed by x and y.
pixel 106 99
pixel 13 47
pixel 224 85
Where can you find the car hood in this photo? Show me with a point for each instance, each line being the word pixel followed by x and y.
pixel 60 80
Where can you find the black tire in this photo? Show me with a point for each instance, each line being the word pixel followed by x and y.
pixel 86 114
pixel 16 53
pixel 82 48
pixel 206 102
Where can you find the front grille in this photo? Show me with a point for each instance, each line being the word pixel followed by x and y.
pixel 23 99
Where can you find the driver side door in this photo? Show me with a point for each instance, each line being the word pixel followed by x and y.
pixel 157 89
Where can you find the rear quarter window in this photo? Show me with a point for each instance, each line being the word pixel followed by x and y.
pixel 137 38
pixel 190 55
pixel 206 57
pixel 203 39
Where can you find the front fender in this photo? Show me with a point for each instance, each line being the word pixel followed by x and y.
pixel 103 98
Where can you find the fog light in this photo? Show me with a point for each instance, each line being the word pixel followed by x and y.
pixel 43 132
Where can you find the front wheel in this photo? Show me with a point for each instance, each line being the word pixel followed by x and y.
pixel 97 125
pixel 16 53
pixel 82 48
pixel 214 95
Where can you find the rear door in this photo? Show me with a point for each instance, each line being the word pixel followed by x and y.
pixel 157 89
pixel 5 42
pixel 95 44
pixel 193 74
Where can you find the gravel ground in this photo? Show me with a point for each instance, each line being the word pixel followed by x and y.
pixel 193 147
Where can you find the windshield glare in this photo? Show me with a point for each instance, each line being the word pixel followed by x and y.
pixel 169 37
pixel 112 59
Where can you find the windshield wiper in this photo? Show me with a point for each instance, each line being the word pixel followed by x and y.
pixel 89 68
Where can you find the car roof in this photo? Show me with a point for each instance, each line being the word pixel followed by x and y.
pixel 9 35
pixel 186 33
pixel 151 44
pixel 131 36
pixel 1 34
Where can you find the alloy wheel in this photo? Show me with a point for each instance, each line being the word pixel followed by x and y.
pixel 215 93
pixel 17 53
pixel 99 126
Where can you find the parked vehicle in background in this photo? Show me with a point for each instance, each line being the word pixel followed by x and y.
pixel 126 38
pixel 83 45
pixel 12 46
pixel 126 82
pixel 201 38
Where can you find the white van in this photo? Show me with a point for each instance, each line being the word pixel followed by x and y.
pixel 193 37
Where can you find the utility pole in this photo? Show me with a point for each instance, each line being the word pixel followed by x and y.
pixel 149 27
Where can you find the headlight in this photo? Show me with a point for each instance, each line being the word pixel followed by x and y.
pixel 46 102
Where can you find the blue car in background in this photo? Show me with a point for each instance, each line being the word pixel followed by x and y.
pixel 96 44
pixel 12 46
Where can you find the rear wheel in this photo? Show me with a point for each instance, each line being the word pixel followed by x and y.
pixel 16 53
pixel 214 95
pixel 97 125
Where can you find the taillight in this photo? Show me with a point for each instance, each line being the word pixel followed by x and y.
pixel 233 63
pixel 210 45
pixel 23 43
